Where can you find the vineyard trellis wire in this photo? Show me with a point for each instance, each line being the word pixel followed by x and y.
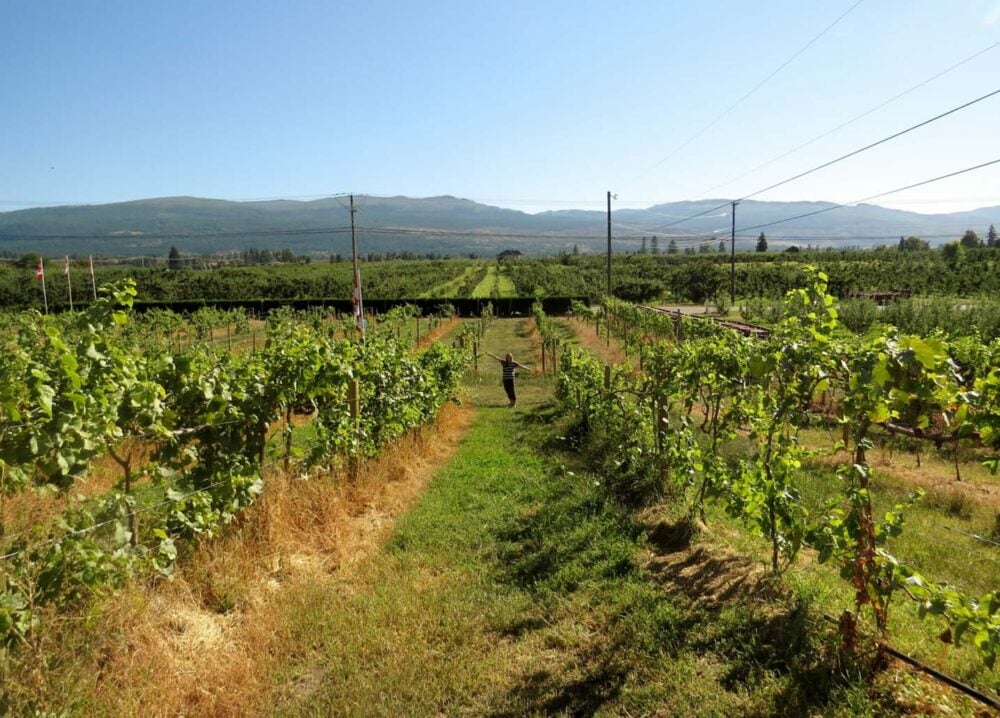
pixel 204 417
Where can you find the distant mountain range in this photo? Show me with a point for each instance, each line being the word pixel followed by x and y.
pixel 449 225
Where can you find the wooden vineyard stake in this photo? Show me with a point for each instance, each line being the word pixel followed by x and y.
pixel 354 406
pixel 958 473
pixel 607 377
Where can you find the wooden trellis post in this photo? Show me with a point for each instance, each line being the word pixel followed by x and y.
pixel 354 406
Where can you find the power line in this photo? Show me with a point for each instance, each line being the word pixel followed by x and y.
pixel 43 203
pixel 846 238
pixel 874 196
pixel 689 218
pixel 474 234
pixel 144 509
pixel 747 95
pixel 875 144
pixel 187 235
pixel 854 119
pixel 841 158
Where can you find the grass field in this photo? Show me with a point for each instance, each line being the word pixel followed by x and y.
pixel 517 587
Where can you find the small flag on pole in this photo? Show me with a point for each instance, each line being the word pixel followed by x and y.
pixel 40 276
pixel 69 283
pixel 93 282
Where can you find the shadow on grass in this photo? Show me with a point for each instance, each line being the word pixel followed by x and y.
pixel 758 646
pixel 548 693
pixel 545 413
pixel 671 536
pixel 577 549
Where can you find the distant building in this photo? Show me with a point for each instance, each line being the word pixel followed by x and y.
pixel 510 254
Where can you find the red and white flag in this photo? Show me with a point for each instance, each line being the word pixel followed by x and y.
pixel 69 283
pixel 359 312
pixel 40 276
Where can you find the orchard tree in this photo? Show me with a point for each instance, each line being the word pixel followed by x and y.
pixel 698 281
pixel 722 247
pixel 913 244
pixel 174 258
pixel 953 252
pixel 970 240
pixel 761 243
pixel 991 237
pixel 654 245
pixel 672 247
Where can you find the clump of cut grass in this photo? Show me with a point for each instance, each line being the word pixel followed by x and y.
pixel 956 504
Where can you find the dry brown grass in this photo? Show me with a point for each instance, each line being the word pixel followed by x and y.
pixel 439 331
pixel 38 508
pixel 936 474
pixel 597 345
pixel 207 641
pixel 709 574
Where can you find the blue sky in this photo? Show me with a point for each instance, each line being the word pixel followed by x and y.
pixel 526 105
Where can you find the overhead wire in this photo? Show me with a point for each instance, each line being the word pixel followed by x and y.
pixel 871 197
pixel 748 94
pixel 77 203
pixel 872 145
pixel 854 119
pixel 277 232
pixel 834 161
pixel 144 509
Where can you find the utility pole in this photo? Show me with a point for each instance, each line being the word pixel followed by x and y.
pixel 354 239
pixel 732 259
pixel 359 315
pixel 609 243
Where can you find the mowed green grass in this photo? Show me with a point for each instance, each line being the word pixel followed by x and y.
pixel 415 632
pixel 517 586
pixel 451 287
pixel 485 287
pixel 496 283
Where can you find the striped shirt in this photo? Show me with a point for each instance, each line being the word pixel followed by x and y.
pixel 508 369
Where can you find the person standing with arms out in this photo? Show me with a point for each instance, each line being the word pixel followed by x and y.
pixel 509 367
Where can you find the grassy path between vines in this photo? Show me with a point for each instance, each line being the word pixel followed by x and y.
pixel 450 287
pixel 516 587
pixel 496 283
